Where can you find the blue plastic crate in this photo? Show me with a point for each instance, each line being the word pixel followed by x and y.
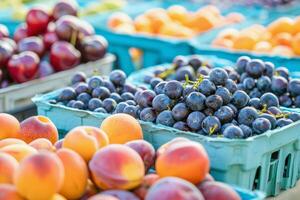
pixel 267 162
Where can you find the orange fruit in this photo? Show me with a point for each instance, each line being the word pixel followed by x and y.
pixel 283 24
pixel 296 44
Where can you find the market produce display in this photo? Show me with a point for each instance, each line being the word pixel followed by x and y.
pixel 47 42
pixel 281 37
pixel 88 165
pixel 175 21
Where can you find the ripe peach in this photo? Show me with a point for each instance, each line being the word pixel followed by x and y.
pixel 297 25
pixel 262 47
pixel 175 189
pixel 117 167
pixel 282 39
pixel 39 176
pixel 19 151
pixel 145 150
pixel 187 160
pixel 212 190
pixel 204 22
pixel 296 44
pixel 283 24
pixel 58 197
pixel 165 146
pixel 177 13
pixel 8 167
pixel 158 17
pixel 244 41
pixel 143 24
pixel 9 141
pixel 117 19
pixel 147 182
pixel 221 42
pixel 85 140
pixel 9 126
pixel 38 127
pixel 42 144
pixel 58 144
pixel 103 197
pixel 76 174
pixel 125 29
pixel 122 128
pixel 234 18
pixel 121 194
pixel 90 191
pixel 9 192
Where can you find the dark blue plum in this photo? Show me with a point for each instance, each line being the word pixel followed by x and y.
pixel 218 76
pixel 240 99
pixel 211 125
pixel 207 87
pixel 180 125
pixel 224 114
pixel 158 71
pixel 161 102
pixel 131 102
pixel 261 125
pixel 117 77
pixel 255 93
pixel 173 89
pixel 195 101
pixel 147 78
pixel 264 84
pixel 283 122
pixel 94 103
pixel 231 86
pixel 101 93
pixel 145 98
pixel 78 77
pixel 233 108
pixel 79 105
pixel 249 83
pixel 109 85
pixel 209 111
pixel 297 101
pixel 294 116
pixel 241 64
pixel 233 132
pixel 271 119
pixel 247 115
pixel 180 111
pixel 109 105
pixel 154 81
pixel 165 118
pixel 82 87
pixel 195 61
pixel 203 70
pixel 255 102
pixel 273 110
pixel 194 120
pixel 234 76
pixel 269 69
pixel 100 110
pixel 95 82
pixel 279 85
pixel 282 71
pixel 120 107
pixel 269 99
pixel 67 94
pixel 188 90
pixel 214 102
pixel 294 87
pixel 70 103
pixel 255 68
pixel 285 100
pixel 181 73
pixel 129 88
pixel 159 88
pixel 180 61
pixel 131 110
pixel 247 131
pixel 84 97
pixel 240 86
pixel 243 77
pixel 224 94
pixel 115 96
pixel 127 96
pixel 224 126
pixel 148 115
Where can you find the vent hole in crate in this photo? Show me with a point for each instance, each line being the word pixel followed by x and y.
pixel 274 156
pixel 256 179
pixel 287 165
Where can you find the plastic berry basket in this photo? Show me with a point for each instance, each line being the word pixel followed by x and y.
pixel 267 162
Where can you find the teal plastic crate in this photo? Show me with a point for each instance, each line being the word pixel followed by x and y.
pixel 267 162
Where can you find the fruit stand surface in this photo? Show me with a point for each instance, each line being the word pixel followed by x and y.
pixel 291 194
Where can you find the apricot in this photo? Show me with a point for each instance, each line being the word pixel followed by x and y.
pixel 186 160
pixel 296 44
pixel 145 150
pixel 8 167
pixel 212 190
pixel 262 47
pixel 117 19
pixel 103 197
pixel 19 151
pixel 121 194
pixel 58 144
pixel 39 176
pixel 147 182
pixel 176 30
pixel 281 50
pixel 85 140
pixel 121 128
pixel 158 17
pixel 38 127
pixel 282 39
pixel 283 24
pixel 244 42
pixel 175 189
pixel 117 167
pixel 42 144
pixel 203 22
pixel 9 141
pixel 9 192
pixel 209 9
pixel 177 13
pixel 143 24
pixel 76 174
pixel 9 126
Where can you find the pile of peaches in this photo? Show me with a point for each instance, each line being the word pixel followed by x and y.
pixel 281 37
pixel 107 163
pixel 175 21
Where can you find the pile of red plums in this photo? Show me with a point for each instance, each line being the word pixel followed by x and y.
pixel 47 42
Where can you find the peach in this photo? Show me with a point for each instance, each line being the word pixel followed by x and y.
pixel 58 144
pixel 283 24
pixel 147 182
pixel 9 141
pixel 221 42
pixel 296 44
pixel 121 194
pixel 186 160
pixel 122 128
pixel 125 29
pixel 90 191
pixel 58 197
pixel 19 151
pixel 204 22
pixel 175 189
pixel 9 192
pixel 76 174
pixel 145 150
pixel 177 13
pixel 117 19
pixel 8 167
pixel 39 176
pixel 228 33
pixel 117 167
pixel 212 190
pixel 143 24
pixel 85 140
pixel 165 146
pixel 234 18
pixel 38 127
pixel 42 144
pixel 103 197
pixel 9 126
pixel 297 25
pixel 244 41
pixel 282 39
pixel 282 51
pixel 263 47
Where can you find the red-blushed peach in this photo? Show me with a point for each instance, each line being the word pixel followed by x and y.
pixel 9 141
pixel 42 144
pixel 19 151
pixel 90 190
pixel 147 182
pixel 9 126
pixel 39 176
pixel 58 144
pixel 212 190
pixel 121 128
pixel 38 127
pixel 121 194
pixel 76 174
pixel 117 167
pixel 8 167
pixel 145 150
pixel 9 192
pixel 161 149
pixel 85 140
pixel 173 188
pixel 184 159
pixel 103 197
